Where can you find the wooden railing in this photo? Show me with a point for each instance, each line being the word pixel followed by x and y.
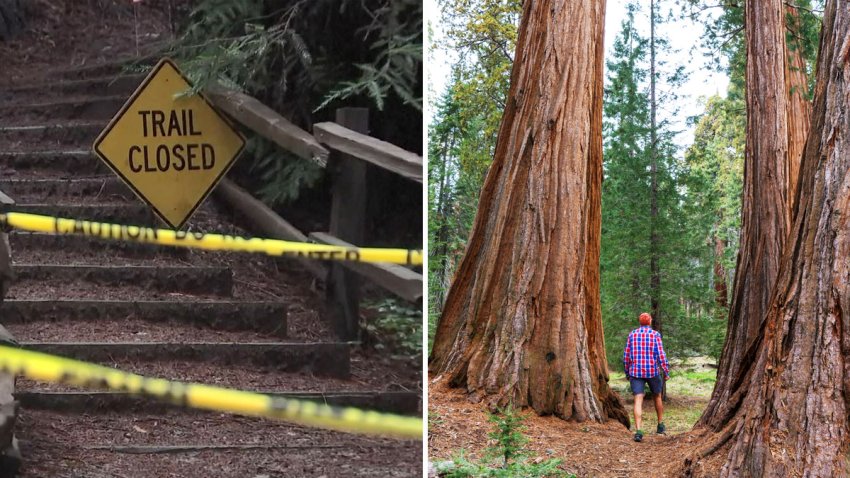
pixel 8 406
pixel 353 149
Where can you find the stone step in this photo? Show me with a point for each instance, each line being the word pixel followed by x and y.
pixel 53 136
pixel 402 402
pixel 262 317
pixel 67 164
pixel 94 108
pixel 122 85
pixel 205 279
pixel 117 213
pixel 326 358
pixel 68 244
pixel 115 68
pixel 27 189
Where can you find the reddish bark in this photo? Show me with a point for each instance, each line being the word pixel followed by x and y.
pixel 765 219
pixel 799 112
pixel 522 321
pixel 794 418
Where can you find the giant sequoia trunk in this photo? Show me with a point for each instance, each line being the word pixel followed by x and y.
pixel 522 321
pixel 766 202
pixel 794 419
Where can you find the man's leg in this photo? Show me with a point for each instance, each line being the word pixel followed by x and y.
pixel 659 407
pixel 638 410
pixel 657 386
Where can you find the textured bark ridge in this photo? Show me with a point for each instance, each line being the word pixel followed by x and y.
pixel 798 113
pixel 522 321
pixel 794 419
pixel 766 205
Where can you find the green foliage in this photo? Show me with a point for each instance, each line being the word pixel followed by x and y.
pixel 724 34
pixel 282 174
pixel 506 457
pixel 691 325
pixel 508 435
pixel 434 419
pixel 398 58
pixel 253 45
pixel 395 327
pixel 300 57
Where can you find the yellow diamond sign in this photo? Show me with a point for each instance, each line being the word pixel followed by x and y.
pixel 169 147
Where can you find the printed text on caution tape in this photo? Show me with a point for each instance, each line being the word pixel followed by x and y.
pixel 213 242
pixel 39 366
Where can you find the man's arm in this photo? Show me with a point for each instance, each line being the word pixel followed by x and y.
pixel 659 351
pixel 627 354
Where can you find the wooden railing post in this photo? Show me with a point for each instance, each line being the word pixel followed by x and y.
pixel 347 222
pixel 10 456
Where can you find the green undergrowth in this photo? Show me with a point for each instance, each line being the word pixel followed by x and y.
pixel 507 456
pixel 395 327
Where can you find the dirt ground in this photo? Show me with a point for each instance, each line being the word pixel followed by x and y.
pixel 87 32
pixel 585 449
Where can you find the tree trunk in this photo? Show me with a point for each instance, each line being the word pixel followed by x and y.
pixel 654 273
pixel 799 112
pixel 721 293
pixel 794 420
pixel 522 322
pixel 442 249
pixel 765 218
pixel 654 243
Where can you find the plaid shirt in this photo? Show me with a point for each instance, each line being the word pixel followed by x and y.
pixel 643 353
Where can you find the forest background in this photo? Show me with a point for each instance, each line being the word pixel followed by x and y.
pixel 698 123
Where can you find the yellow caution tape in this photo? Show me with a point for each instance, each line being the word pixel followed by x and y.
pixel 39 366
pixel 211 242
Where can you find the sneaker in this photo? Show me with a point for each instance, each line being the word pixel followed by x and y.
pixel 639 436
pixel 661 429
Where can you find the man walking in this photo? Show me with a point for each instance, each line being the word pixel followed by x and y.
pixel 642 357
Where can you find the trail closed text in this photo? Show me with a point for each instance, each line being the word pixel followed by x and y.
pixel 189 155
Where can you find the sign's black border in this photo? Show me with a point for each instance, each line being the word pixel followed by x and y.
pixel 121 114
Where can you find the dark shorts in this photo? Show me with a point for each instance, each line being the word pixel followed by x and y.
pixel 655 384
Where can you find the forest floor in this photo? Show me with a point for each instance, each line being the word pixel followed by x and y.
pixel 586 449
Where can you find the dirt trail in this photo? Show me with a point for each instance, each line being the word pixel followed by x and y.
pixel 586 449
pixel 237 320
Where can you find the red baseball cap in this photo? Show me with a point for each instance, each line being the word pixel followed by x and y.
pixel 645 319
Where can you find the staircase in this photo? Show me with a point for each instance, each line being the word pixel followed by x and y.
pixel 226 319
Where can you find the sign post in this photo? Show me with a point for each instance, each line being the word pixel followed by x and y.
pixel 170 148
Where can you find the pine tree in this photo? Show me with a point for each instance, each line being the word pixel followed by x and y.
pixel 625 190
pixel 630 249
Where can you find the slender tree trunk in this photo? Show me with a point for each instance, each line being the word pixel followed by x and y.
pixel 765 205
pixel 721 294
pixel 522 321
pixel 654 274
pixel 794 420
pixel 654 242
pixel 443 212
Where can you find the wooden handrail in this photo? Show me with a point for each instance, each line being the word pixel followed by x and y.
pixel 265 219
pixel 399 280
pixel 372 150
pixel 268 123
